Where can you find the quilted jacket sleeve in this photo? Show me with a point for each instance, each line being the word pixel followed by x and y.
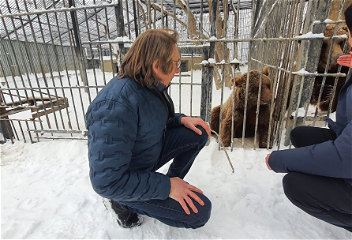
pixel 112 130
pixel 175 121
pixel 330 158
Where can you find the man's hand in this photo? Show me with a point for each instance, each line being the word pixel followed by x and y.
pixel 267 161
pixel 191 123
pixel 345 60
pixel 183 193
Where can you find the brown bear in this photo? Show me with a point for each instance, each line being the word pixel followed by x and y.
pixel 336 47
pixel 240 93
pixel 337 50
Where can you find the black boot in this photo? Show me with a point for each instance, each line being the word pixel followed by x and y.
pixel 125 218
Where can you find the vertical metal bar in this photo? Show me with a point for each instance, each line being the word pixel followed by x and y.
pixel 191 102
pixel 14 130
pixel 167 20
pixel 188 12
pixel 149 14
pixel 154 16
pixel 136 20
pixel 247 83
pixel 128 19
pixel 259 97
pixel 120 27
pixel 29 132
pixel 20 126
pixel 99 45
pixel 162 14
pixel 179 91
pixel 201 20
pixel 78 46
pixel 138 14
pixel 207 75
pixel 174 12
pixel 91 49
pixel 223 70
pixel 74 63
pixel 107 33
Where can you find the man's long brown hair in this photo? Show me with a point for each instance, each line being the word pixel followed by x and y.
pixel 149 46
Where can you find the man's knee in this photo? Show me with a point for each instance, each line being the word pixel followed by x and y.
pixel 291 185
pixel 203 215
pixel 203 139
pixel 294 135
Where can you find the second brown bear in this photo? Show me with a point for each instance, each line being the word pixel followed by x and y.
pixel 240 94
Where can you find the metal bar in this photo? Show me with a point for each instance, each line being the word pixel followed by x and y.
pixel 99 45
pixel 120 28
pixel 162 14
pixel 29 133
pixel 191 97
pixel 247 85
pixel 78 46
pixel 91 49
pixel 135 18
pixel 20 126
pixel 223 77
pixel 128 19
pixel 75 67
pixel 63 9
pixel 139 23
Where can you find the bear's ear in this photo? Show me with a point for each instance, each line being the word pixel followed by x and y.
pixel 232 81
pixel 238 81
pixel 266 70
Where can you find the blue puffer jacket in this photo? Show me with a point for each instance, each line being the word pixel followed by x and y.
pixel 331 158
pixel 126 124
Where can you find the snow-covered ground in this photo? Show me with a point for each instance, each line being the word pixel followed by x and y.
pixel 46 191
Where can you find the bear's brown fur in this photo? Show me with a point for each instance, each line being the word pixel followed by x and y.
pixel 240 93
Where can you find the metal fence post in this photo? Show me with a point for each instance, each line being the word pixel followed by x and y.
pixel 207 71
pixel 78 47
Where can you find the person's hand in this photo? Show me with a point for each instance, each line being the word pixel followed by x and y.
pixel 183 193
pixel 267 161
pixel 191 123
pixel 345 60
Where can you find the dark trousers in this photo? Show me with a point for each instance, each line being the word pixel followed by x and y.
pixel 182 145
pixel 328 199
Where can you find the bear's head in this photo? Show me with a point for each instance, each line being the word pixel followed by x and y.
pixel 337 46
pixel 253 88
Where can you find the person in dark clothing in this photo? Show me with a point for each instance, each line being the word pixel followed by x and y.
pixel 133 131
pixel 319 179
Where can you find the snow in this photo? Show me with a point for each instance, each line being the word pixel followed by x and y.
pixel 310 35
pixel 235 60
pixel 301 72
pixel 46 192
